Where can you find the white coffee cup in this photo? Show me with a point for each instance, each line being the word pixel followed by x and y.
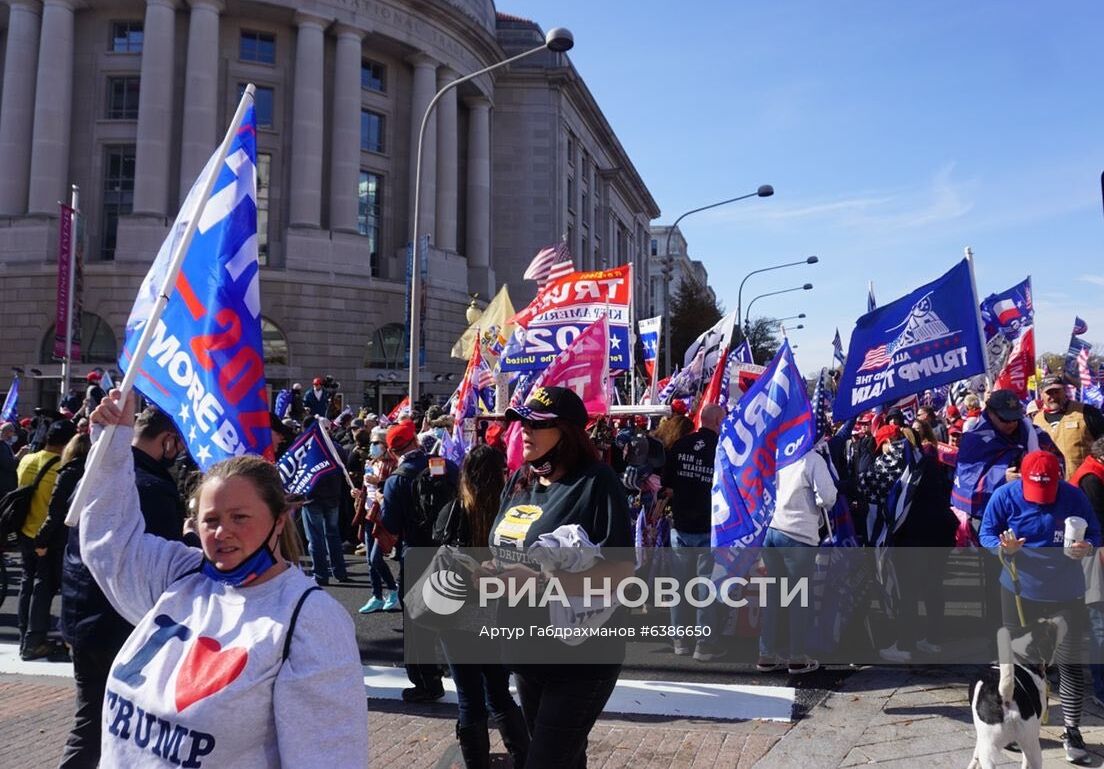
pixel 1075 532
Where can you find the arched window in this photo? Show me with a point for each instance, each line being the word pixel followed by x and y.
pixel 387 348
pixel 275 343
pixel 97 342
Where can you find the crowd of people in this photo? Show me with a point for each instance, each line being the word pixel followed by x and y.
pixel 169 567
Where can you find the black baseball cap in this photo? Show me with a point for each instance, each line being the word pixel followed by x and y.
pixel 1006 405
pixel 547 403
pixel 60 432
pixel 1051 380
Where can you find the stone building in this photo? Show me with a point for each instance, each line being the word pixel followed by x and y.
pixel 127 99
pixel 682 267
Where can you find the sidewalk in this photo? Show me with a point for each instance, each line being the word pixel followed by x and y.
pixel 36 712
pixel 894 718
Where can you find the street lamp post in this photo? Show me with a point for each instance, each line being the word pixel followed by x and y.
pixel 764 191
pixel 558 40
pixel 740 291
pixel 803 287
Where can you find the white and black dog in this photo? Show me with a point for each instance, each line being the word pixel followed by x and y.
pixel 1009 700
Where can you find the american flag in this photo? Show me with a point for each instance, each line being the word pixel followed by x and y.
pixel 1079 327
pixel 837 349
pixel 550 263
pixel 878 357
pixel 822 407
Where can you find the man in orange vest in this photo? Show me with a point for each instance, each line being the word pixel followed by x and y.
pixel 1073 426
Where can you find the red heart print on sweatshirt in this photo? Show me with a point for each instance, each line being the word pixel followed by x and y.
pixel 206 670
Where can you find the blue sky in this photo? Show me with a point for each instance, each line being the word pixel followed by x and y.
pixel 895 134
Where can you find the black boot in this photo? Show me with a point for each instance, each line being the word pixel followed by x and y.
pixel 475 745
pixel 515 736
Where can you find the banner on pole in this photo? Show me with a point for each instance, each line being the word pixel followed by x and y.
pixel 307 460
pixel 69 258
pixel 1008 318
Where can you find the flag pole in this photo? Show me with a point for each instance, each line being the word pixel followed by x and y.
pixel 175 264
pixel 336 456
pixel 977 313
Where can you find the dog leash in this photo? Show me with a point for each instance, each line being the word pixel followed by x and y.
pixel 1015 576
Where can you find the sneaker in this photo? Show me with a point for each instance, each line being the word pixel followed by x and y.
pixel 376 604
pixel 391 602
pixel 1074 745
pixel 361 549
pixel 683 648
pixel 893 654
pixel 768 665
pixel 926 647
pixel 421 694
pixel 704 653
pixel 800 668
pixel 51 651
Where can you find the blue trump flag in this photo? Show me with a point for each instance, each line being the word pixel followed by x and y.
pixel 283 404
pixel 743 353
pixel 307 460
pixel 205 365
pixel 10 410
pixel 920 341
pixel 769 428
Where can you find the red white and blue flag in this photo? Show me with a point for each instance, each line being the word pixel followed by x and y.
pixel 307 460
pixel 1080 327
pixel 205 366
pixel 477 385
pixel 649 338
pixel 1009 319
pixel 550 263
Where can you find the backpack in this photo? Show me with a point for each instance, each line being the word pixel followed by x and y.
pixel 430 493
pixel 16 504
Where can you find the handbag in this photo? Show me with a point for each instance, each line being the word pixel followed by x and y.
pixel 16 504
pixel 449 580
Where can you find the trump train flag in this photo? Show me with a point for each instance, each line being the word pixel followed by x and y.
pixel 769 428
pixel 205 365
pixel 920 341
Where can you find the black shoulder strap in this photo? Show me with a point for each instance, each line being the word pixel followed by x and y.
pixel 45 468
pixel 295 618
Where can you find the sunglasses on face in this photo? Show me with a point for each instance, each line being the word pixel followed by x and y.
pixel 530 424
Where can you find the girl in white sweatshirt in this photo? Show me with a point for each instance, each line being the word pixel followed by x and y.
pixel 236 659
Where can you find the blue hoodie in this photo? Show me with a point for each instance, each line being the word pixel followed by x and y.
pixel 1046 574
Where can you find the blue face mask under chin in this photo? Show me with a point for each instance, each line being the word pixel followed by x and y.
pixel 248 570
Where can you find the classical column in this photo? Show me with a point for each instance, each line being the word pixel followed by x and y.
pixel 307 123
pixel 17 104
pixel 52 109
pixel 425 86
pixel 447 172
pixel 155 113
pixel 478 245
pixel 345 144
pixel 200 125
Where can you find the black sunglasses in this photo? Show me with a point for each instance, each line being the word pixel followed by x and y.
pixel 531 424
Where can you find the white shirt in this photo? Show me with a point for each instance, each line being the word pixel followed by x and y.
pixel 804 489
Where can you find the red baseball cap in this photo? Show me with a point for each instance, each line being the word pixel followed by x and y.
pixel 94 376
pixel 1040 477
pixel 401 435
pixel 26 422
pixel 317 381
pixel 886 433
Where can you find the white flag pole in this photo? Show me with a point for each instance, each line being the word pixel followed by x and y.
pixel 336 456
pixel 977 313
pixel 175 264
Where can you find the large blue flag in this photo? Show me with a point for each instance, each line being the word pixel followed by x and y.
pixel 920 341
pixel 743 352
pixel 769 428
pixel 307 460
pixel 10 410
pixel 205 366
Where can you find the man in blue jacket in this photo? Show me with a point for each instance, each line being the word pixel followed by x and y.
pixel 1025 521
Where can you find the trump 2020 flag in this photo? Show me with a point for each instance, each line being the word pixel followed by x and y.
pixel 307 460
pixel 769 428
pixel 205 366
pixel 649 338
pixel 925 339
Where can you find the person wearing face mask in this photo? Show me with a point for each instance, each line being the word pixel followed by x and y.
pixel 92 628
pixel 226 665
pixel 380 465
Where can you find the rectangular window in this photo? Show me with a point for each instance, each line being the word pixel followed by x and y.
pixel 122 97
pixel 263 104
pixel 259 47
pixel 655 247
pixel 118 194
pixel 570 193
pixel 126 37
pixel 369 195
pixel 371 131
pixel 373 76
pixel 264 175
pixel 570 149
pixel 586 207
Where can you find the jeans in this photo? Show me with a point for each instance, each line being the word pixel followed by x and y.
pixel 378 570
pixel 91 665
pixel 920 576
pixel 687 565
pixel 482 691
pixel 324 540
pixel 560 712
pixel 784 556
pixel 1096 645
pixel 39 581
